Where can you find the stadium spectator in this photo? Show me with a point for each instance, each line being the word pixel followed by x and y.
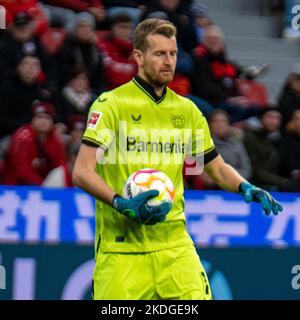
pixel 20 41
pixel 141 4
pixel 200 19
pixel 32 8
pixel 264 148
pixel 76 126
pixel 59 177
pixel 186 36
pixel 214 78
pixel 134 8
pixel 228 142
pixel 35 149
pixel 63 12
pixel 117 51
pixel 76 97
pixel 289 100
pixel 291 146
pixel 80 48
pixel 18 93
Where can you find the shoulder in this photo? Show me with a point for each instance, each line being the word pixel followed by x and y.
pixel 290 137
pixel 24 134
pixel 253 136
pixel 172 95
pixel 182 103
pixel 110 101
pixel 112 96
pixel 125 91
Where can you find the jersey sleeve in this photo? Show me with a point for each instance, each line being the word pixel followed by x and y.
pixel 101 128
pixel 202 143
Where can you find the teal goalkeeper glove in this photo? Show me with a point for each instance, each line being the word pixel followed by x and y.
pixel 137 208
pixel 253 193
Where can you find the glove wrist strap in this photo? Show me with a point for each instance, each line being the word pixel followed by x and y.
pixel 241 190
pixel 114 200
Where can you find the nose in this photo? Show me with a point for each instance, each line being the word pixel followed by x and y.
pixel 168 59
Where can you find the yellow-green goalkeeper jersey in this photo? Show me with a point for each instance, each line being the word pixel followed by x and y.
pixel 137 130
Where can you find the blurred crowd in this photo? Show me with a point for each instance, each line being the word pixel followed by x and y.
pixel 57 56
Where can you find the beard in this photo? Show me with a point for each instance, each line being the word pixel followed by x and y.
pixel 157 78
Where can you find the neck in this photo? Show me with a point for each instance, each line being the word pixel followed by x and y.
pixel 159 89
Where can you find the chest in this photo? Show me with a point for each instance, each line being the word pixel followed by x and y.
pixel 149 116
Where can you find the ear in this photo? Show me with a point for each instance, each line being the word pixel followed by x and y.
pixel 138 56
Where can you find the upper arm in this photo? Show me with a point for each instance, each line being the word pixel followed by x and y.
pixel 102 124
pixel 202 142
pixel 87 158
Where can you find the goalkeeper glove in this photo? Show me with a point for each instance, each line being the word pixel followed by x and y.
pixel 137 209
pixel 253 193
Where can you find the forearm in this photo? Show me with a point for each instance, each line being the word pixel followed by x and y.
pixel 89 181
pixel 228 178
pixel 224 175
pixel 85 176
pixel 245 172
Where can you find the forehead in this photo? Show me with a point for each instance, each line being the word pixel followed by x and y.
pixel 127 24
pixel 42 115
pixel 161 43
pixel 272 114
pixel 213 34
pixel 30 60
pixel 219 116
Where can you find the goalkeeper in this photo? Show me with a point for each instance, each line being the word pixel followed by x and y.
pixel 143 251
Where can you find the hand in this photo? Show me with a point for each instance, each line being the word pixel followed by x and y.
pixel 253 193
pixel 254 71
pixel 137 209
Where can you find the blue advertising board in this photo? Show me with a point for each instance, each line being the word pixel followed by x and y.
pixel 53 215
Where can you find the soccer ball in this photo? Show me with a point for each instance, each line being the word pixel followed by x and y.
pixel 149 179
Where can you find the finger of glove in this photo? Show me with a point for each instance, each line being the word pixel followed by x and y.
pixel 163 208
pixel 157 213
pixel 144 196
pixel 275 210
pixel 155 219
pixel 265 201
pixel 146 212
pixel 277 207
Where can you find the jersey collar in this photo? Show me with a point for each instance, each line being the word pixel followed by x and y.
pixel 148 89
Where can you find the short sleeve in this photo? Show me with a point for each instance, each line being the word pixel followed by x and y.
pixel 101 128
pixel 202 142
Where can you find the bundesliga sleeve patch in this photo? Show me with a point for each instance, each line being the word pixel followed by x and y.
pixel 93 119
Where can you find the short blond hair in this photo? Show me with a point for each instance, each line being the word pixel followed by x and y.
pixel 152 26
